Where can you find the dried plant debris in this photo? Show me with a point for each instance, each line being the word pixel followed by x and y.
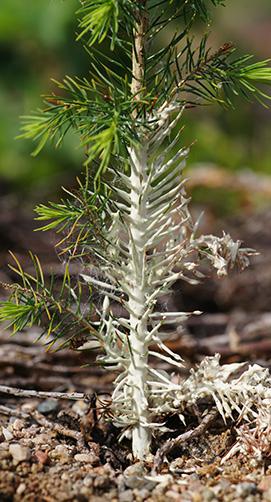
pixel 237 392
pixel 232 387
pixel 254 440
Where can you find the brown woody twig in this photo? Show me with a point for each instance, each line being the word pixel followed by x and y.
pixel 13 391
pixel 183 438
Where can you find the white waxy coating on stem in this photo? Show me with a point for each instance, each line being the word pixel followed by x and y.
pixel 137 371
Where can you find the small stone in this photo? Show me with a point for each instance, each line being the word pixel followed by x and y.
pixel 65 476
pixel 172 495
pixel 42 439
pixel 95 448
pixel 178 463
pixel 21 488
pixel 197 497
pixel 149 459
pixel 61 453
pixel 207 495
pixel 42 457
pixel 80 408
pixel 245 489
pixel 265 483
pixel 141 494
pixel 88 481
pixel 7 434
pixel 4 454
pixel 163 482
pixel 102 482
pixel 134 474
pixel 4 445
pixel 19 453
pixel 25 441
pixel 134 477
pixel 48 406
pixel 86 458
pixel 267 495
pixel 223 485
pixel 126 496
pixel 29 406
pixel 18 424
pixel 84 494
pixel 12 420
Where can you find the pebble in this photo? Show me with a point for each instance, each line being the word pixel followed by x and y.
pixel 141 494
pixel 65 476
pixel 94 448
pixel 126 496
pixel 88 481
pixel 84 494
pixel 4 454
pixel 7 434
pixel 25 441
pixel 18 424
pixel 12 420
pixel 101 482
pixel 245 489
pixel 223 485
pixel 86 458
pixel 48 406
pixel 21 488
pixel 159 491
pixel 80 408
pixel 173 495
pixel 41 457
pixel 29 406
pixel 265 483
pixel 19 453
pixel 197 497
pixel 61 453
pixel 208 495
pixel 35 467
pixel 42 439
pixel 134 477
pixel 178 463
pixel 267 495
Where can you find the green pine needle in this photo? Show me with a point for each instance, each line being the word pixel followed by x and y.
pixel 57 310
pixel 97 21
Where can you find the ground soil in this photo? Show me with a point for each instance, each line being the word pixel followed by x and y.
pixel 41 461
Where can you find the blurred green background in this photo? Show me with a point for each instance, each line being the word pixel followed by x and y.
pixel 37 42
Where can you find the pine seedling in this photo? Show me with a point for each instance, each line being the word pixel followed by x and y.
pixel 128 225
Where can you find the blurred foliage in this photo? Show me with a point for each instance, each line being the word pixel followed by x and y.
pixel 37 42
pixel 239 138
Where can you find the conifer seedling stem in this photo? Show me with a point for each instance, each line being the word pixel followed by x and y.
pixel 137 371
